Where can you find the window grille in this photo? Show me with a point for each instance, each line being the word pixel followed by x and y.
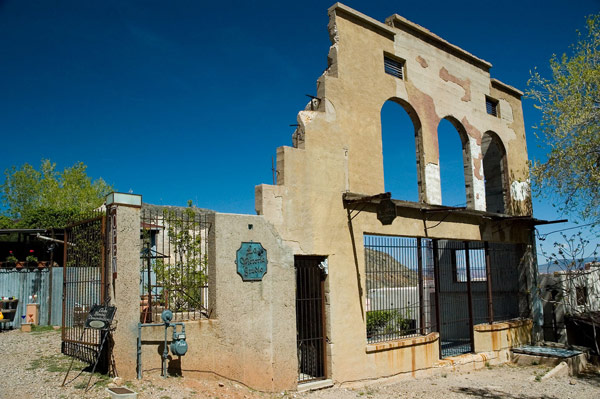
pixel 393 67
pixel 174 264
pixel 491 106
pixel 399 272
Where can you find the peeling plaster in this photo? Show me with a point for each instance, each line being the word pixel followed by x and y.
pixel 306 117
pixel 506 111
pixel 330 114
pixel 433 185
pixel 425 107
pixel 422 61
pixel 519 190
pixel 464 84
pixel 472 131
pixel 477 166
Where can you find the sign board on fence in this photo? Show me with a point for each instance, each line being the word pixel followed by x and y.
pixel 251 261
pixel 100 317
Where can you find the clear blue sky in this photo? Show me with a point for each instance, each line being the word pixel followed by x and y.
pixel 179 100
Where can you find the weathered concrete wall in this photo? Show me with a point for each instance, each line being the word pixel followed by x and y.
pixel 251 336
pixel 338 149
pixel 407 356
pixel 502 336
pixel 125 290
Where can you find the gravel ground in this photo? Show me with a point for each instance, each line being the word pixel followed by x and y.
pixel 31 366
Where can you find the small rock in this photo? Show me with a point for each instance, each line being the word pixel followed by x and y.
pixel 221 384
pixel 572 382
pixel 118 381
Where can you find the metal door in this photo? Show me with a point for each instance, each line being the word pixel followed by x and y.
pixel 84 285
pixel 310 318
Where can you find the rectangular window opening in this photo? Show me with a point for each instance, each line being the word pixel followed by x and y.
pixel 476 264
pixel 582 295
pixel 491 106
pixel 393 66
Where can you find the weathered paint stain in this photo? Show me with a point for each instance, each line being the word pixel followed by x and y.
pixel 472 131
pixel 413 359
pixel 477 167
pixel 495 337
pixel 465 84
pixel 425 107
pixel 422 61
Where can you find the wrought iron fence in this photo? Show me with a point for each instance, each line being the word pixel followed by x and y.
pixel 173 263
pixel 417 285
pixel 400 287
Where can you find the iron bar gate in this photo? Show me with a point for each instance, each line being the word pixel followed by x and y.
pixel 310 317
pixel 417 285
pixel 84 285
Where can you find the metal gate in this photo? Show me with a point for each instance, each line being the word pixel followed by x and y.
pixel 84 285
pixel 463 293
pixel 310 317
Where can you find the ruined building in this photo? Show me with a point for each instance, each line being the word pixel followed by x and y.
pixel 335 279
pixel 402 284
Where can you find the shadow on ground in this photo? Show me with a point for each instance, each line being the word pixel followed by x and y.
pixel 591 376
pixel 494 394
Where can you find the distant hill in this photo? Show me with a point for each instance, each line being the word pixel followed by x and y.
pixel 564 265
pixel 387 271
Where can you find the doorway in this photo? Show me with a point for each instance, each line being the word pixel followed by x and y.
pixel 310 317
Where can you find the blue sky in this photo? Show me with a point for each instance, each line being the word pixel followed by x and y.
pixel 189 99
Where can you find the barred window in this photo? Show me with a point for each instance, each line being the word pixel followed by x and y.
pixel 399 272
pixel 491 106
pixel 394 66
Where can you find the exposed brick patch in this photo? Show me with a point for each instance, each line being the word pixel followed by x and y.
pixel 422 61
pixel 464 83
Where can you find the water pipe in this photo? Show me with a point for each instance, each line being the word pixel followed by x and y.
pixel 178 345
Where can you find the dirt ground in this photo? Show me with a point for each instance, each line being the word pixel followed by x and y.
pixel 31 366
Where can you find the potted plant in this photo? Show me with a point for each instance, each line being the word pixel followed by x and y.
pixel 31 259
pixel 11 260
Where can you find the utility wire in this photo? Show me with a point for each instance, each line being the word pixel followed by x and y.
pixel 542 237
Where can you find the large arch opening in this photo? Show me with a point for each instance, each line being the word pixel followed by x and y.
pixel 401 140
pixel 494 171
pixel 455 163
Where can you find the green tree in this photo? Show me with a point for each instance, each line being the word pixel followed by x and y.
pixel 570 126
pixel 49 198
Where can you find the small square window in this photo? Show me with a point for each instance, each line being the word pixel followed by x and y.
pixel 582 295
pixel 491 106
pixel 393 66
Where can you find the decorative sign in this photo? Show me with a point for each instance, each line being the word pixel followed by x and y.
pixel 100 317
pixel 251 261
pixel 386 211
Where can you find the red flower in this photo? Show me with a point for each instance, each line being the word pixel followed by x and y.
pixel 31 251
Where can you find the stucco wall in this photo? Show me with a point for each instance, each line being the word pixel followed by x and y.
pixel 502 336
pixel 251 336
pixel 124 290
pixel 338 149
